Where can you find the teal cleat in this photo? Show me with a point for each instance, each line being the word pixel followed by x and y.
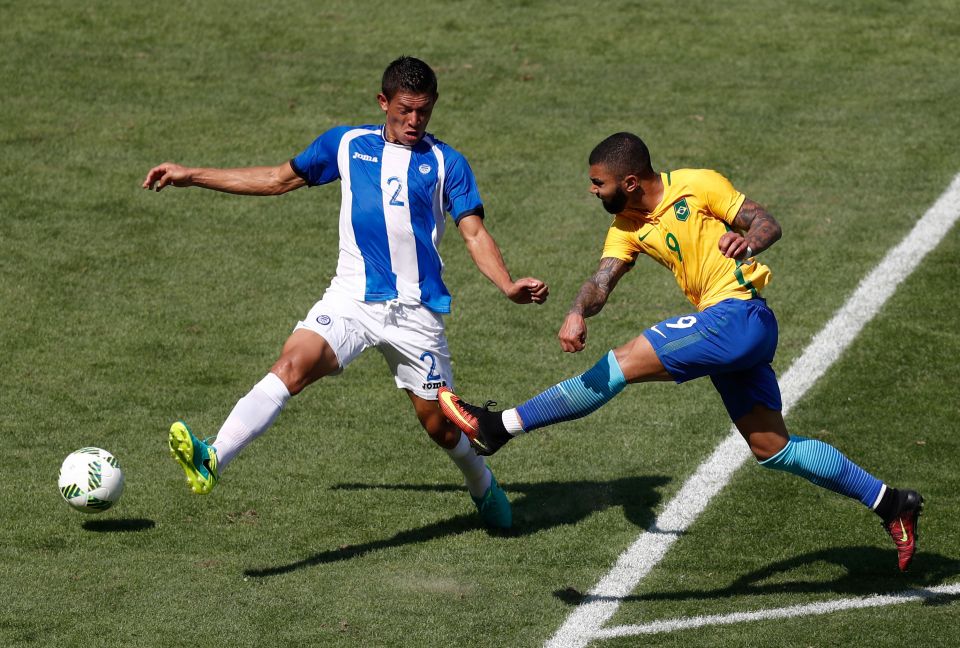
pixel 198 460
pixel 494 507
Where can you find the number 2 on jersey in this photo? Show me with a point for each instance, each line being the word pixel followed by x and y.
pixel 432 371
pixel 393 199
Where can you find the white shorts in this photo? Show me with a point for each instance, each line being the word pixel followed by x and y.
pixel 409 336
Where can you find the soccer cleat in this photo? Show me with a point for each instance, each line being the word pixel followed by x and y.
pixel 198 460
pixel 483 427
pixel 905 528
pixel 494 507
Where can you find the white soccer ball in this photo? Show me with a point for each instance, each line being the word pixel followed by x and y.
pixel 91 480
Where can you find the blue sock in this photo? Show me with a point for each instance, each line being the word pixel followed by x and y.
pixel 826 466
pixel 575 397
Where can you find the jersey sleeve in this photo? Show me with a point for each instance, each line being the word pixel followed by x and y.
pixel 317 164
pixel 621 242
pixel 461 194
pixel 721 198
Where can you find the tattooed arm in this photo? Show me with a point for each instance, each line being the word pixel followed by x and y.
pixel 754 231
pixel 590 300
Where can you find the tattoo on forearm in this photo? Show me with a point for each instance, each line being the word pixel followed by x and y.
pixel 595 291
pixel 761 230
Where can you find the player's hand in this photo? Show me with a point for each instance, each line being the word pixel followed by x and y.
pixel 528 291
pixel 733 245
pixel 165 174
pixel 573 333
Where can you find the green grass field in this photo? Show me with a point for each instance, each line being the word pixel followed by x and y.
pixel 122 310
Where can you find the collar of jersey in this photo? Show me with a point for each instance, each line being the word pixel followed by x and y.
pixel 386 142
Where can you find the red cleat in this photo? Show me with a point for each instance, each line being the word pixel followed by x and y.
pixel 484 428
pixel 904 528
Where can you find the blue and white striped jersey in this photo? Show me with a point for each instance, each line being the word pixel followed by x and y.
pixel 393 200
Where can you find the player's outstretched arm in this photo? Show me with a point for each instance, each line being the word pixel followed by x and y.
pixel 755 231
pixel 486 254
pixel 589 301
pixel 249 181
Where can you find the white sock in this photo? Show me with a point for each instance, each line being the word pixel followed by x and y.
pixel 475 472
pixel 250 418
pixel 511 421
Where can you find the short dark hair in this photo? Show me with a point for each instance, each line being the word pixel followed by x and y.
pixel 623 154
pixel 409 74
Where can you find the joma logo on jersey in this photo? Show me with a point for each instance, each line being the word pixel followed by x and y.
pixel 363 156
pixel 681 210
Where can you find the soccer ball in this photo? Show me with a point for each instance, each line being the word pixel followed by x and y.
pixel 91 480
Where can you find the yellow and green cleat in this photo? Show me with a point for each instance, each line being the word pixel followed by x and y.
pixel 198 460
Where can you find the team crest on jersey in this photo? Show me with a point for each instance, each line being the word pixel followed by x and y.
pixel 424 168
pixel 323 320
pixel 681 210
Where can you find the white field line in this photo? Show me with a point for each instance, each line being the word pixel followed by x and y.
pixel 826 607
pixel 585 622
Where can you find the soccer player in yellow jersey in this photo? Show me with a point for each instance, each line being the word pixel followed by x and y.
pixel 708 235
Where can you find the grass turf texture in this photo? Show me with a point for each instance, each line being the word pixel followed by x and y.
pixel 123 310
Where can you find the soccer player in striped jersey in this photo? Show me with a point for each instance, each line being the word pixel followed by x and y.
pixel 397 183
pixel 708 234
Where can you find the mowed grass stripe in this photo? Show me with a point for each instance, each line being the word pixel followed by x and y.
pixel 585 623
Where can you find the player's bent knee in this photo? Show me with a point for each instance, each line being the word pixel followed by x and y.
pixel 764 431
pixel 639 362
pixel 306 357
pixel 286 370
pixel 297 371
pixel 766 445
pixel 443 432
pixel 438 428
pixel 444 435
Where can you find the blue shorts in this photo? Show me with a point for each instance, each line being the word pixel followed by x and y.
pixel 733 342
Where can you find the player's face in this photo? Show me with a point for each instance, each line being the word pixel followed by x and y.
pixel 407 116
pixel 605 186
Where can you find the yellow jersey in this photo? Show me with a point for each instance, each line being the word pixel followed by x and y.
pixel 682 233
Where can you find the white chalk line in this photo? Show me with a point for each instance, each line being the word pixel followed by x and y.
pixel 811 609
pixel 586 621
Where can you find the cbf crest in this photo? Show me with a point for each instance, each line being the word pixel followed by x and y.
pixel 681 210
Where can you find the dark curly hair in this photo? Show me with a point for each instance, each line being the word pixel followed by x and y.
pixel 623 154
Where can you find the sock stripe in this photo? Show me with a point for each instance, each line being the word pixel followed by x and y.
pixel 825 466
pixel 876 502
pixel 575 397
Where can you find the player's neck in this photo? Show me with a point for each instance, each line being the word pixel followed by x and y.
pixel 650 196
pixel 652 192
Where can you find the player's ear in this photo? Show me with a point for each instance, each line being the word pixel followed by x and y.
pixel 630 182
pixel 383 101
